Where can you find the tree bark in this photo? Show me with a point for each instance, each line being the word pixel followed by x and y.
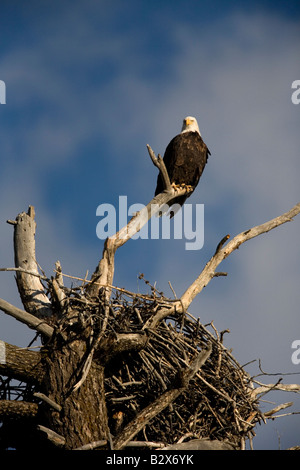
pixel 18 409
pixel 83 415
pixel 21 364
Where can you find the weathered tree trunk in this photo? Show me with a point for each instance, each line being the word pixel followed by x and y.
pixel 76 417
pixel 82 417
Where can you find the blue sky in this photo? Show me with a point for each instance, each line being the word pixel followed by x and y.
pixel 89 84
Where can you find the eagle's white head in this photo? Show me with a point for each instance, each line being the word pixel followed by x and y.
pixel 190 125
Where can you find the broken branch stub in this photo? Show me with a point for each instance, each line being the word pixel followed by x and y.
pixel 31 289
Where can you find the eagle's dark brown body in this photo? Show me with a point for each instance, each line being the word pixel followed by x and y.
pixel 185 158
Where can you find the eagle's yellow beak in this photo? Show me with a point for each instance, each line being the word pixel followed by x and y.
pixel 188 122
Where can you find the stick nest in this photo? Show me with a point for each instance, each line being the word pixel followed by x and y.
pixel 216 403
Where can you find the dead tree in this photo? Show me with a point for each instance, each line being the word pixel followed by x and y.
pixel 117 369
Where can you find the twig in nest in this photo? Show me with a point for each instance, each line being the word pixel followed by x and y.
pixel 162 402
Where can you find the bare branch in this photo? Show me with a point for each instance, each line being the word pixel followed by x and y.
pixel 24 317
pixel 268 387
pixel 149 444
pixel 48 400
pixel 18 409
pixel 223 251
pixel 160 164
pixel 200 444
pixel 283 406
pixel 52 436
pixel 92 445
pixel 26 271
pixel 21 364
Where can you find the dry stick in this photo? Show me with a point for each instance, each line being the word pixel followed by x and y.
pixel 25 271
pixel 92 445
pixel 48 400
pixel 209 271
pixel 285 414
pixel 159 163
pixel 268 387
pixel 283 406
pixel 161 402
pixel 52 436
pixel 149 444
pixel 30 320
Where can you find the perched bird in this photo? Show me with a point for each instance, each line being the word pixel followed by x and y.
pixel 185 158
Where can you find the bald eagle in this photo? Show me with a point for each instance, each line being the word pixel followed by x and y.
pixel 185 158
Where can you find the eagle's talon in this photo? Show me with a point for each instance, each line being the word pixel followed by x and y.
pixel 176 186
pixel 187 187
